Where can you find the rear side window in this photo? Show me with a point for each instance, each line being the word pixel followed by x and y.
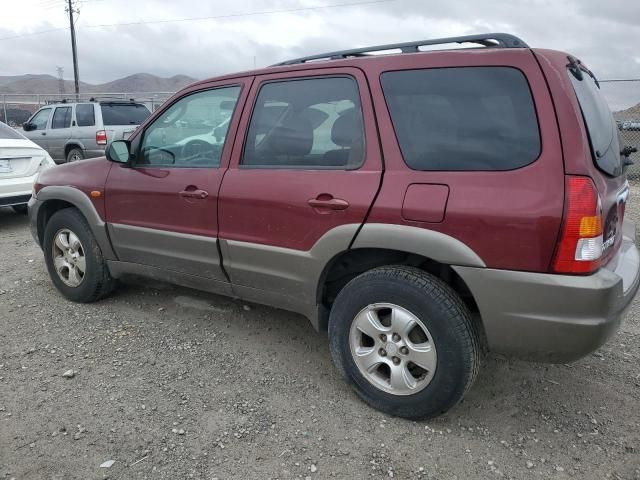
pixel 463 118
pixel 8 133
pixel 124 113
pixel 61 118
pixel 600 124
pixel 85 116
pixel 306 123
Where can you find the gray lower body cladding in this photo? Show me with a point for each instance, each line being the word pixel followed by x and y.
pixel 555 318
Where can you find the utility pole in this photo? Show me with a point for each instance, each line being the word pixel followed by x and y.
pixel 76 76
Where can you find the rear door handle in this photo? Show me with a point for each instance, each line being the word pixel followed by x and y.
pixel 195 193
pixel 328 203
pixel 43 133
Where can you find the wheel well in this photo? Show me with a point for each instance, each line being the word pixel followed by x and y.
pixel 70 147
pixel 351 263
pixel 46 211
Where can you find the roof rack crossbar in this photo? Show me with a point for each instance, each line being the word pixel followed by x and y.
pixel 496 40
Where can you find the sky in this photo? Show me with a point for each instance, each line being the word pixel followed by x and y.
pixel 112 41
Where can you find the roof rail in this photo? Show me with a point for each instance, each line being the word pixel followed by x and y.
pixel 498 40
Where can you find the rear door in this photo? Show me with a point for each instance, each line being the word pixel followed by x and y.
pixel 85 129
pixel 307 170
pixel 60 132
pixel 162 209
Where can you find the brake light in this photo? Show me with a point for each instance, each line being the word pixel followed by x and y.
pixel 579 249
pixel 101 137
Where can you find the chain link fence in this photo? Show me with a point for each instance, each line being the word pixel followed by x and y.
pixel 624 97
pixel 15 109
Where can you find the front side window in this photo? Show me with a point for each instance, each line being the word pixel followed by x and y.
pixel 313 123
pixel 41 118
pixel 190 133
pixel 463 118
pixel 85 115
pixel 61 118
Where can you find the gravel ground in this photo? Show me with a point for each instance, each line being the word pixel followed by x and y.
pixel 170 383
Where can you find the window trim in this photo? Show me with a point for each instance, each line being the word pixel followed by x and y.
pixel 140 138
pixel 533 102
pixel 61 107
pixel 261 84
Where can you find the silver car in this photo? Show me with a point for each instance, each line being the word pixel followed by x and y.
pixel 74 131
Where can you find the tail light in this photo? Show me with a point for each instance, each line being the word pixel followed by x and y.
pixel 101 137
pixel 579 248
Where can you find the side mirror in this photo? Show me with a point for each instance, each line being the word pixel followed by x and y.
pixel 118 151
pixel 27 127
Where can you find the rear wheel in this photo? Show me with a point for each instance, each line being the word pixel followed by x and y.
pixel 74 155
pixel 405 342
pixel 74 259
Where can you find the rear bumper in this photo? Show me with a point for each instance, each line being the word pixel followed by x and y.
pixel 16 191
pixel 555 318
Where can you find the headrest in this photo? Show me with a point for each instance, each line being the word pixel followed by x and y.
pixel 294 137
pixel 346 128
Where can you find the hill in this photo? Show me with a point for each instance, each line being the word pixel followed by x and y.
pixel 631 113
pixel 139 82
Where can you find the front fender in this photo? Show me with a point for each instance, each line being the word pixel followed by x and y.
pixel 79 200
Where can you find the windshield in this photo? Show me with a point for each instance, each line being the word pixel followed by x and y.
pixel 7 133
pixel 601 127
pixel 124 113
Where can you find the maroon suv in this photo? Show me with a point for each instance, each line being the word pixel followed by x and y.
pixel 422 207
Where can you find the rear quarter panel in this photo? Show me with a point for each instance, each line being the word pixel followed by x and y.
pixel 511 218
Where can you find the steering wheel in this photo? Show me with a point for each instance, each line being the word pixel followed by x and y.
pixel 199 152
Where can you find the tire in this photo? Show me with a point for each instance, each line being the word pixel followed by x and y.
pixel 74 155
pixel 447 339
pixel 96 281
pixel 21 209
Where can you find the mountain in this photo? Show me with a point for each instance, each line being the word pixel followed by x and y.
pixel 139 82
pixel 631 113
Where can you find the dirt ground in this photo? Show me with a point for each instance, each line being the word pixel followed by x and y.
pixel 171 383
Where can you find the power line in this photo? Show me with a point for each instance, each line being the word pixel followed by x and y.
pixel 213 17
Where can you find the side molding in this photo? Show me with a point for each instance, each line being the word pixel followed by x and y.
pixel 80 200
pixel 421 241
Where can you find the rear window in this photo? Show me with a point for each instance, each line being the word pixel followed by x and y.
pixel 8 133
pixel 85 116
pixel 463 118
pixel 601 127
pixel 124 113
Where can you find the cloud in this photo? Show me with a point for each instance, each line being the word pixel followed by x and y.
pixel 604 35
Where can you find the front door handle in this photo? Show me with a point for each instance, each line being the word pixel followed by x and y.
pixel 43 133
pixel 328 202
pixel 194 193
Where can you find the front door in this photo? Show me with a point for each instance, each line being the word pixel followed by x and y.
pixel 302 179
pixel 40 122
pixel 162 209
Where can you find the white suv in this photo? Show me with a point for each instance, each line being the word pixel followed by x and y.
pixel 21 161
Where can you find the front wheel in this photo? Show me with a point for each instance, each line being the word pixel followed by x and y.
pixel 74 259
pixel 405 341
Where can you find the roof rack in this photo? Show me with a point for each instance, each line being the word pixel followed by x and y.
pixel 497 40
